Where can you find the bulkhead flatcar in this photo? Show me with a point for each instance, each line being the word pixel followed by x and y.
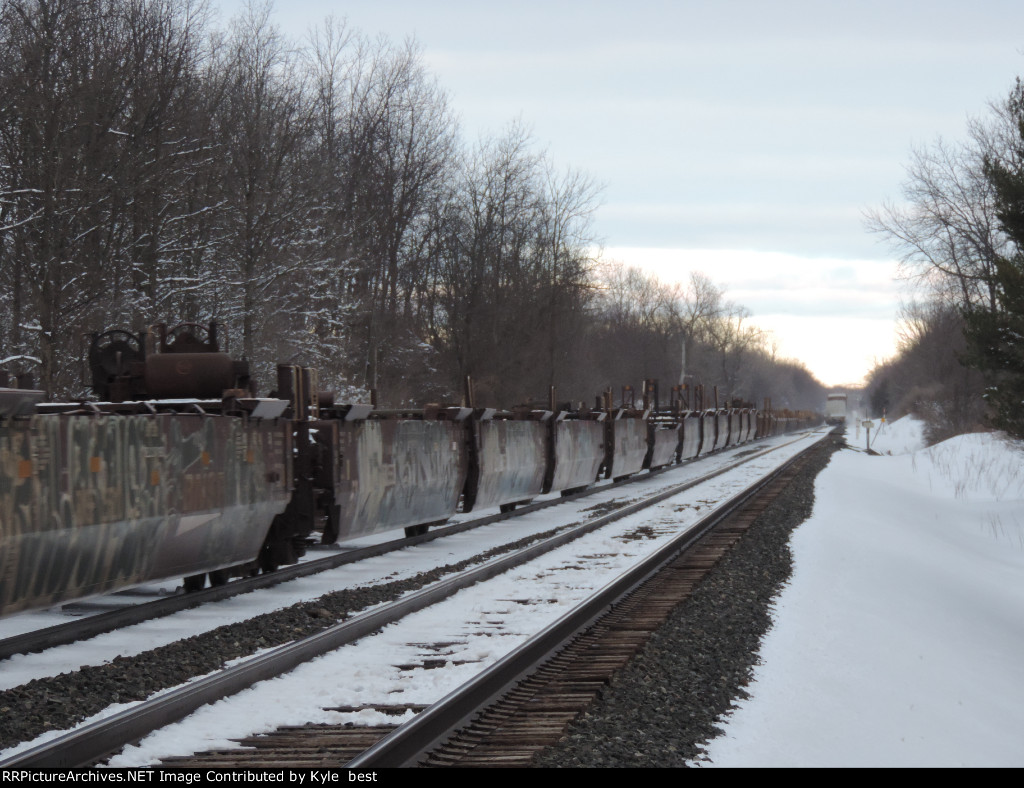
pixel 96 498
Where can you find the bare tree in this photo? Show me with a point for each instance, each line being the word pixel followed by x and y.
pixel 564 239
pixel 946 231
pixel 698 307
pixel 386 142
pixel 926 377
pixel 511 271
pixel 263 130
pixel 952 239
pixel 91 90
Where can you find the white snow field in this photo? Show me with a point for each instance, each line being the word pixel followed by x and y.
pixel 899 640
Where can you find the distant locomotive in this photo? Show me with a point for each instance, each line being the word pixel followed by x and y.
pixel 835 408
pixel 182 472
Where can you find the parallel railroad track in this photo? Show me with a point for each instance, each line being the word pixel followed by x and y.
pixel 101 623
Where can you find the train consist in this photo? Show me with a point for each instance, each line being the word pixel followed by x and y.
pixel 181 471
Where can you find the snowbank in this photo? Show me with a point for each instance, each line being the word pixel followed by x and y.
pixel 898 641
pixel 896 437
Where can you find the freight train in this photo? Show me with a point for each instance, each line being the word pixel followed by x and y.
pixel 180 471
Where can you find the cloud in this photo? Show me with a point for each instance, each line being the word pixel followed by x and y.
pixel 835 315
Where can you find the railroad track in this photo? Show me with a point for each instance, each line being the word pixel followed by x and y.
pixel 528 701
pixel 93 741
pixel 525 702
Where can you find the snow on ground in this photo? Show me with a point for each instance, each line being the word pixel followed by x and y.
pixel 898 641
pixel 887 437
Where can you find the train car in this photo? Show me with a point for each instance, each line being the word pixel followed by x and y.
pixel 93 502
pixel 625 444
pixel 109 495
pixel 577 451
pixel 383 473
pixel 663 438
pixel 750 417
pixel 733 420
pixel 707 432
pixel 689 446
pixel 718 423
pixel 508 459
pixel 664 427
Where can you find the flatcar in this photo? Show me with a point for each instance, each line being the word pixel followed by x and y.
pixel 96 498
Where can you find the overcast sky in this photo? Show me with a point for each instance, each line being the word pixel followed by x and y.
pixel 743 139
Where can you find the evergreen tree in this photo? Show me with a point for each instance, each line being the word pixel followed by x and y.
pixel 996 346
pixel 996 335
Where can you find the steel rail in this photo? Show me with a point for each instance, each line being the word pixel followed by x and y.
pixel 101 623
pixel 94 741
pixel 414 740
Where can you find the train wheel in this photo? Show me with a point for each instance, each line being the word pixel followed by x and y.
pixel 415 530
pixel 507 507
pixel 194 583
pixel 268 564
pixel 219 578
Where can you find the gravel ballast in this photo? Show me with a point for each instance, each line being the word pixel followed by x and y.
pixel 59 702
pixel 662 708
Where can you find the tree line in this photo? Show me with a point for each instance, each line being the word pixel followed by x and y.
pixel 960 235
pixel 319 202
